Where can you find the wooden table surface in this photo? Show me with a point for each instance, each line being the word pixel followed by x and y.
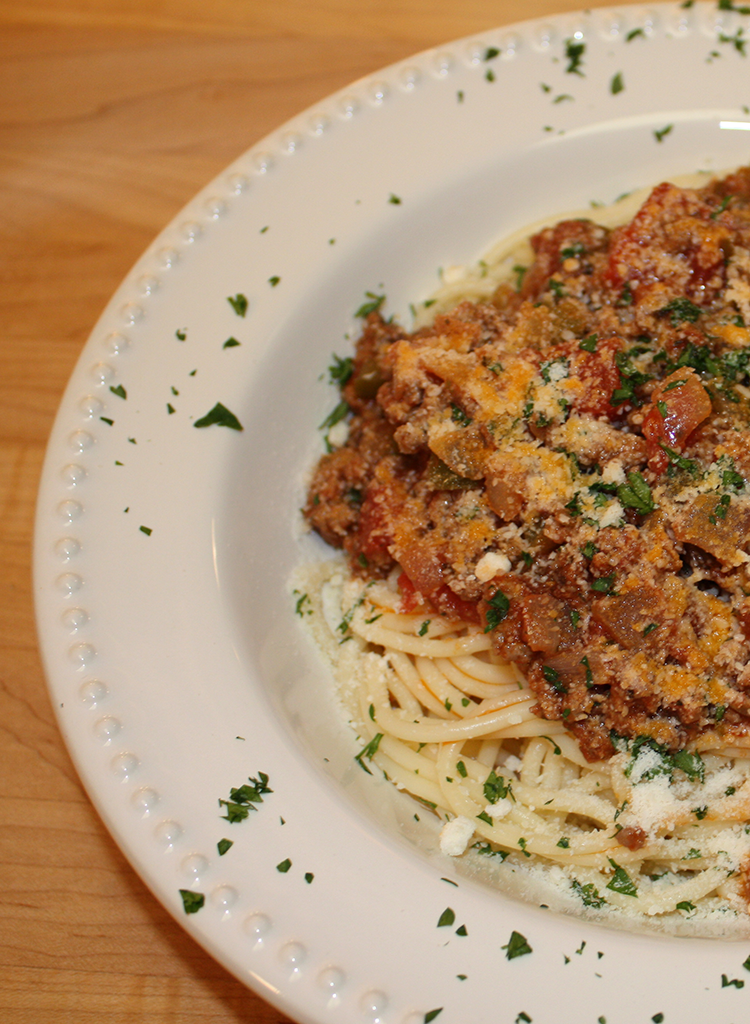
pixel 113 113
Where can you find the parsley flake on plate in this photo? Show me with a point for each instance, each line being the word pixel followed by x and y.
pixel 219 416
pixel 516 946
pixel 242 799
pixel 238 303
pixel 192 901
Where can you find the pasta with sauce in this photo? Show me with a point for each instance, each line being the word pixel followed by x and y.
pixel 543 499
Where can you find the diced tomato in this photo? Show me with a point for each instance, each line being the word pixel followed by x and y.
pixel 411 599
pixel 673 222
pixel 422 565
pixel 374 530
pixel 600 377
pixel 454 607
pixel 678 405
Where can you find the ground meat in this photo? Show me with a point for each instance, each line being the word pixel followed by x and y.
pixel 585 435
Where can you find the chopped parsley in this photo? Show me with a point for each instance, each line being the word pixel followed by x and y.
pixel 679 311
pixel 617 84
pixel 621 881
pixel 339 413
pixel 219 416
pixel 517 945
pixel 667 762
pixel 284 866
pixel 605 584
pixel 373 304
pixel 588 894
pixel 733 982
pixel 118 390
pixel 459 416
pixel 447 918
pixel 496 788
pixel 238 303
pixel 368 751
pixel 498 606
pixel 242 799
pixel 636 494
pixel 192 901
pixel 574 52
pixel 553 678
pixel 223 845
pixel 722 507
pixel 340 370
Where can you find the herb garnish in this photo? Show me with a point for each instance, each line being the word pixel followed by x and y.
pixel 735 982
pixel 499 604
pixel 496 788
pixel 516 946
pixel 574 52
pixel 372 306
pixel 446 918
pixel 679 311
pixel 242 799
pixel 223 845
pixel 340 370
pixel 636 494
pixel 238 303
pixel 219 416
pixel 621 881
pixel 604 584
pixel 368 751
pixel 691 764
pixel 335 416
pixel 588 894
pixel 192 901
pixel 553 678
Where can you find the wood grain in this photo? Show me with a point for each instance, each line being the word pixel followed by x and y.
pixel 113 113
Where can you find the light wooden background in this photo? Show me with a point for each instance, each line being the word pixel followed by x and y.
pixel 113 113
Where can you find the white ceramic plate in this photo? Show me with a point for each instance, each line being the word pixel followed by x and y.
pixel 163 551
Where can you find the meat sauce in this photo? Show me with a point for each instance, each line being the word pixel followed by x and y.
pixel 568 464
